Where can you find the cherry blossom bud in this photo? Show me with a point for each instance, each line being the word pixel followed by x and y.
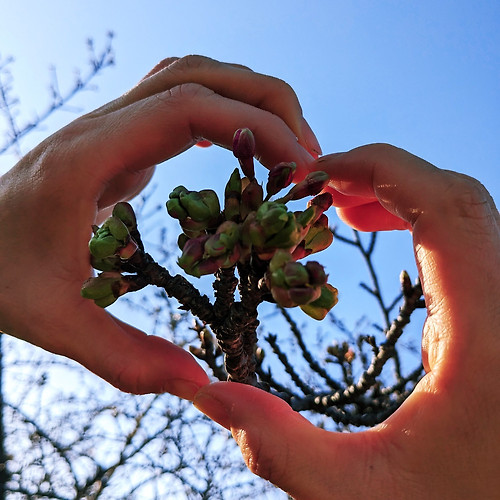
pixel 319 236
pixel 109 238
pixel 316 272
pixel 200 206
pixel 280 177
pixel 244 150
pixel 251 198
pixel 319 308
pixel 192 253
pixel 105 288
pixel 126 214
pixel 312 185
pixel 232 196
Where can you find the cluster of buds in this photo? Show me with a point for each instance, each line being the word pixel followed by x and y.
pixel 112 244
pixel 295 284
pixel 197 211
pixel 252 225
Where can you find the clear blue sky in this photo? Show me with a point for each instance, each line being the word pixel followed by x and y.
pixel 421 74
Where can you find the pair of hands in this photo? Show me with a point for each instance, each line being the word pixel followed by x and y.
pixel 443 441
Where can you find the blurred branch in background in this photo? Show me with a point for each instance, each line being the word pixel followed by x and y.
pixel 10 104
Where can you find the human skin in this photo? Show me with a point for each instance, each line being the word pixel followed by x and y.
pixel 444 441
pixel 51 198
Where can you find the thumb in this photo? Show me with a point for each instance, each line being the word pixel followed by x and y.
pixel 283 447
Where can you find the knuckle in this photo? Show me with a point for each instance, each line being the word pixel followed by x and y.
pixel 467 197
pixel 193 62
pixel 280 90
pixel 183 92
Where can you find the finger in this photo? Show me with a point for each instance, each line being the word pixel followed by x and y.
pixel 281 446
pixel 125 356
pixel 231 81
pixel 455 228
pixel 161 65
pixel 141 135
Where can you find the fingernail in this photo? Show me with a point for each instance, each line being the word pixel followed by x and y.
pixel 213 408
pixel 312 142
pixel 182 388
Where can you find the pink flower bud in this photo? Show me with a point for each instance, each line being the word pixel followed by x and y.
pixel 280 177
pixel 244 150
pixel 243 143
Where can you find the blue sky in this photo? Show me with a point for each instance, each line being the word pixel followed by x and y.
pixel 423 75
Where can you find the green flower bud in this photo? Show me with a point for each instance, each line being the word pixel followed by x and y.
pixel 280 258
pixel 109 238
pixel 103 246
pixel 295 274
pixel 319 236
pixel 232 196
pixel 319 308
pixel 105 288
pixel 231 230
pixel 196 208
pixel 126 214
pixel 251 198
pixel 177 192
pixel 176 210
pixel 272 217
pixel 216 245
pixel 111 263
pixel 280 177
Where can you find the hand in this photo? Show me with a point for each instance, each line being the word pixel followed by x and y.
pixel 50 199
pixel 443 442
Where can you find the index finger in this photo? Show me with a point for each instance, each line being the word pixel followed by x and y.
pixel 233 81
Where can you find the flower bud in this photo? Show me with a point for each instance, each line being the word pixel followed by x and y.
pixel 193 229
pixel 291 283
pixel 295 274
pixel 126 214
pixel 176 210
pixel 103 246
pixel 272 217
pixel 192 253
pixel 117 229
pixel 280 177
pixel 313 184
pixel 304 295
pixel 319 236
pixel 232 196
pixel 316 272
pixel 244 150
pixel 319 308
pixel 251 198
pixel 105 288
pixel 109 238
pixel 111 263
pixel 200 206
pixel 243 143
